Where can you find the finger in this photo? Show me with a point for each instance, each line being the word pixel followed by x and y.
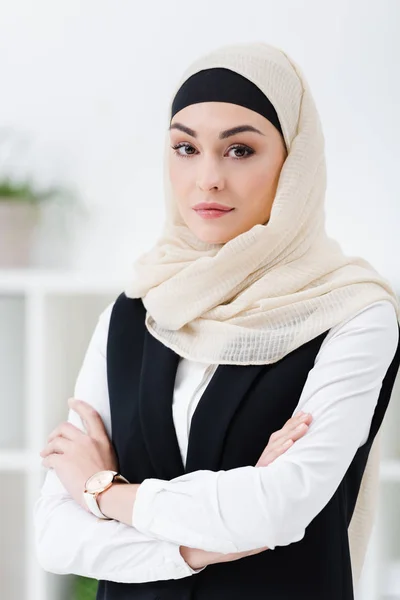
pixel 67 430
pixel 298 432
pixel 272 454
pixel 304 417
pixel 293 429
pixel 294 421
pixel 275 450
pixel 289 427
pixel 93 422
pixel 283 443
pixel 293 433
pixel 59 445
pixel 51 461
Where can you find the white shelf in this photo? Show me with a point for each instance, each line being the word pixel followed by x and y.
pixel 23 281
pixel 14 547
pixel 19 460
pixel 46 320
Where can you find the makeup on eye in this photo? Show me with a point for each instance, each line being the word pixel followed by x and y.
pixel 241 147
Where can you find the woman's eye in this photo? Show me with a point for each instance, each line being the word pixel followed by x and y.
pixel 178 147
pixel 188 150
pixel 242 150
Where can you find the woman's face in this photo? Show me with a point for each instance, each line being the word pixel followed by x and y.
pixel 211 162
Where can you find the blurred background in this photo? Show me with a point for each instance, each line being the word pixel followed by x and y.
pixel 83 113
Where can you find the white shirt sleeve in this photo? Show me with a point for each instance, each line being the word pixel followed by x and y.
pixel 251 507
pixel 69 539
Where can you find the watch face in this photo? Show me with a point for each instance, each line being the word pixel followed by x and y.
pixel 99 480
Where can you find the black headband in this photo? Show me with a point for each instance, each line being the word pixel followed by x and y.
pixel 223 85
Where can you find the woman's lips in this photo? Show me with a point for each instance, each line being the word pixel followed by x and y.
pixel 212 213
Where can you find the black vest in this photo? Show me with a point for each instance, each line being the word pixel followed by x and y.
pixel 238 411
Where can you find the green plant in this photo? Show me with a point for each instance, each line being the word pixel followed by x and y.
pixel 19 189
pixel 26 191
pixel 85 588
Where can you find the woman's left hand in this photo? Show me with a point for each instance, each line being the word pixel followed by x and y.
pixel 76 455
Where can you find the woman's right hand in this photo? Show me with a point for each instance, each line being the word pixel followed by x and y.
pixel 278 443
pixel 283 439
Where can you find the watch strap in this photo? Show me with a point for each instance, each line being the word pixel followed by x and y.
pixel 92 505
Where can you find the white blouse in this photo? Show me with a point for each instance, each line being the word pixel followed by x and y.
pixel 224 511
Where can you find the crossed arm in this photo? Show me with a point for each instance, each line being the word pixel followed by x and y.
pixel 146 541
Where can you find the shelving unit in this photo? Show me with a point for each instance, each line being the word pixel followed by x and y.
pixel 46 321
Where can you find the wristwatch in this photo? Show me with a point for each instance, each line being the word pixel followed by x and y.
pixel 95 485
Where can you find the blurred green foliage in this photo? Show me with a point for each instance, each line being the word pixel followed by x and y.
pixel 85 588
pixel 26 191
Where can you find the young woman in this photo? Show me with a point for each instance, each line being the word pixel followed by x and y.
pixel 186 469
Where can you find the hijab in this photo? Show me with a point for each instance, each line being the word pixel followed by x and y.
pixel 269 290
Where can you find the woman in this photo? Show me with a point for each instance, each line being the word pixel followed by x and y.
pixel 243 315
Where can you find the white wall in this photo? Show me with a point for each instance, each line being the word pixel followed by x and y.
pixel 88 83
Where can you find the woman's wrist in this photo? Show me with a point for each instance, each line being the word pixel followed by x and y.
pixel 198 559
pixel 195 558
pixel 117 502
pixel 188 556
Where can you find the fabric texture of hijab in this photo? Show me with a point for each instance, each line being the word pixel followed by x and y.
pixel 276 286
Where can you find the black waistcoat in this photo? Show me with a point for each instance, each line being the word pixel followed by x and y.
pixel 238 411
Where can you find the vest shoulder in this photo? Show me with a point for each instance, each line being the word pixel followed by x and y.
pixel 120 308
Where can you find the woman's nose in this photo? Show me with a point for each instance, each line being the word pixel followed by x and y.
pixel 210 176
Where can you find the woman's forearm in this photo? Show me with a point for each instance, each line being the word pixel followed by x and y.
pixel 197 559
pixel 118 503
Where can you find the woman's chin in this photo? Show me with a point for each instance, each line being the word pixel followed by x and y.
pixel 213 237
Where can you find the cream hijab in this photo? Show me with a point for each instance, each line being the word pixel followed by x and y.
pixel 276 286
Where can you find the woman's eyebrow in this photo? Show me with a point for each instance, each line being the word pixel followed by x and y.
pixel 223 134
